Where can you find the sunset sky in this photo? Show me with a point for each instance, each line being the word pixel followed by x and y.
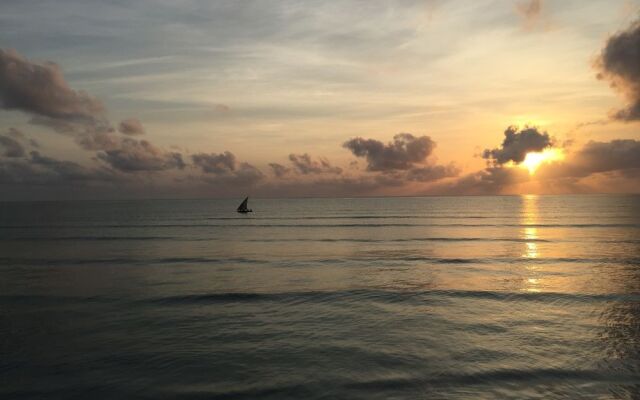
pixel 188 98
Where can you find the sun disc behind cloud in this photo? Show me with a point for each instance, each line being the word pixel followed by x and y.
pixel 533 160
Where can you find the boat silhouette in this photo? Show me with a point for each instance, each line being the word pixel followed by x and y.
pixel 242 208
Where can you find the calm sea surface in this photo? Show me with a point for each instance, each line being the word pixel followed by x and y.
pixel 395 298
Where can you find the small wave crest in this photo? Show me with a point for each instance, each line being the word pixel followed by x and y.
pixel 384 296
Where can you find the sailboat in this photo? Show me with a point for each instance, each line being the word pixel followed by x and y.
pixel 242 208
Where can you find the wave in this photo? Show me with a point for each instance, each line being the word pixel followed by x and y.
pixel 411 386
pixel 490 377
pixel 284 262
pixel 384 296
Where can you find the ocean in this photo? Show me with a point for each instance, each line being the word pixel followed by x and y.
pixel 523 297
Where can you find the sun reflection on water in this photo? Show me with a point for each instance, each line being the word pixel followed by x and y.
pixel 531 249
pixel 530 236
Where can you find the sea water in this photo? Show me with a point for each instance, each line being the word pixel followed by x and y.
pixel 375 298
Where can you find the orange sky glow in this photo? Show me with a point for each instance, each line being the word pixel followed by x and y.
pixel 348 98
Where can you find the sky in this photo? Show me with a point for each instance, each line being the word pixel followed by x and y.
pixel 195 98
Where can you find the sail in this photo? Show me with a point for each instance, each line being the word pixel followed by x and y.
pixel 243 205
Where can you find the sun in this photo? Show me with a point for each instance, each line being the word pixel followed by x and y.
pixel 533 160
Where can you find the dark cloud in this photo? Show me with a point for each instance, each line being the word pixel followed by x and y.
pixel 215 163
pixel 132 155
pixel 244 174
pixel 303 164
pixel 16 133
pixel 131 126
pixel 127 154
pixel 40 89
pixel 22 172
pixel 72 128
pixel 15 143
pixel 223 168
pixel 10 147
pixel 619 63
pixel 95 141
pixel 432 173
pixel 42 170
pixel 70 171
pixel 20 136
pixel 492 180
pixel 57 125
pixel 402 160
pixel 332 185
pixel 517 144
pixel 618 156
pixel 401 154
pixel 279 170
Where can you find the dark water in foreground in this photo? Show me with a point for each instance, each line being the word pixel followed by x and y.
pixel 457 297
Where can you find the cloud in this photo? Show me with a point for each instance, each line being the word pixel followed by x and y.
pixel 215 163
pixel 279 170
pixel 70 171
pixel 223 168
pixel 131 127
pixel 42 170
pixel 332 185
pixel 303 164
pixel 40 89
pixel 94 141
pixel 619 64
pixel 128 154
pixel 499 178
pixel 517 144
pixel 400 154
pixel 620 156
pixel 20 136
pixel 9 147
pixel 132 155
pixel 491 180
pixel 244 174
pixel 14 143
pixel 21 173
pixel 616 155
pixel 432 173
pixel 617 162
pixel 16 133
pixel 403 160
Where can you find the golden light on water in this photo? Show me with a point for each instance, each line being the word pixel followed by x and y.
pixel 530 235
pixel 531 250
pixel 533 160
